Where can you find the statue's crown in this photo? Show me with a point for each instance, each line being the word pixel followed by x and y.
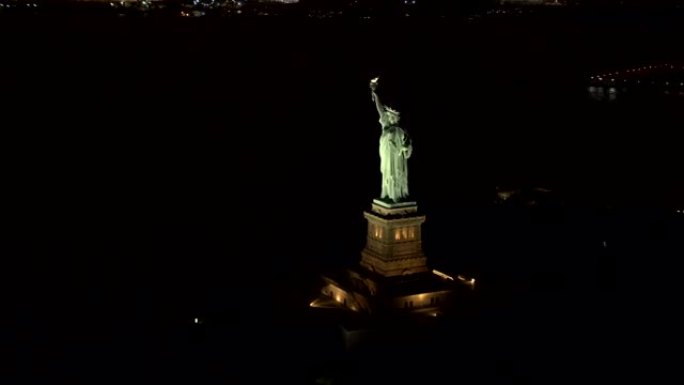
pixel 391 110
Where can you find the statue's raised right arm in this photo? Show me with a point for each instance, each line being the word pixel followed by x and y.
pixel 378 105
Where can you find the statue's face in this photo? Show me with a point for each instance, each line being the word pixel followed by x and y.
pixel 392 118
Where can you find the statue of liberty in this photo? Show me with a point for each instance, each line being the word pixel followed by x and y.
pixel 395 149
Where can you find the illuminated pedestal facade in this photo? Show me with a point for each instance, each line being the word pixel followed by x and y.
pixel 393 245
pixel 393 274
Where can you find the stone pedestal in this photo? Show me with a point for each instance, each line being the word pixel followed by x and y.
pixel 393 245
pixel 393 275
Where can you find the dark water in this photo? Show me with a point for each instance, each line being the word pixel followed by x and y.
pixel 162 169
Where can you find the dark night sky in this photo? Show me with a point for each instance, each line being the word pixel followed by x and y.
pixel 158 167
pixel 158 100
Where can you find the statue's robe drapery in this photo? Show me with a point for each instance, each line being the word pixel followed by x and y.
pixel 395 149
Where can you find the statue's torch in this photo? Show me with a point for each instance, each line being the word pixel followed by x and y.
pixel 374 83
pixel 373 87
